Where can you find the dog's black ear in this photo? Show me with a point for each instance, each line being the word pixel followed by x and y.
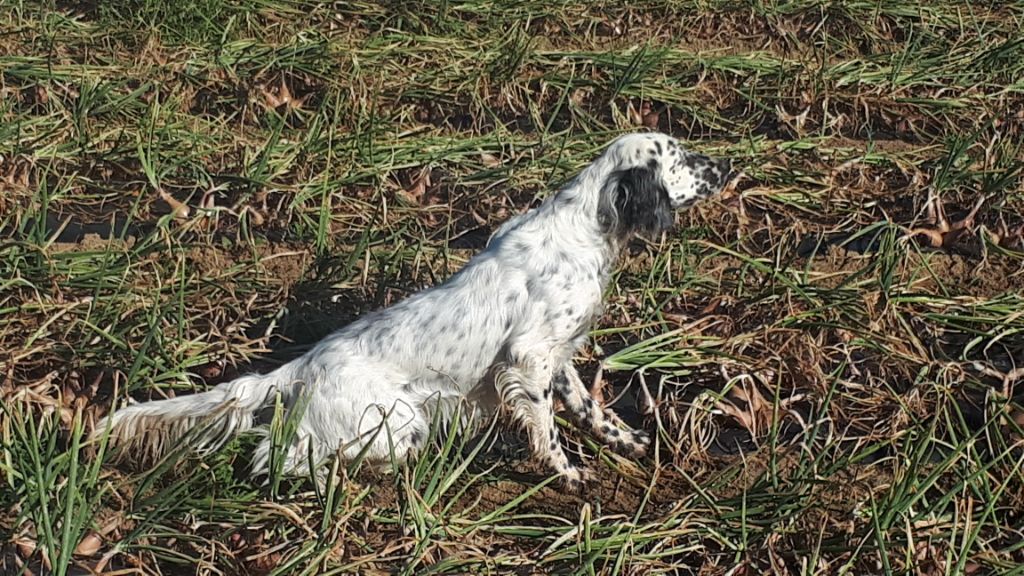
pixel 638 203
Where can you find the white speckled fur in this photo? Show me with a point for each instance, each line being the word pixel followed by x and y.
pixel 503 329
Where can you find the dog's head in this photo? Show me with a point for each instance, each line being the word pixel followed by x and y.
pixel 654 175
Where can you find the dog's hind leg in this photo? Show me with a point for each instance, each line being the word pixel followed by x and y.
pixel 360 411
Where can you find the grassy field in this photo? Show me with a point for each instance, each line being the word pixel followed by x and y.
pixel 827 354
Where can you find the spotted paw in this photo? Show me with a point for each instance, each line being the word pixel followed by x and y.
pixel 642 441
pixel 633 443
pixel 575 479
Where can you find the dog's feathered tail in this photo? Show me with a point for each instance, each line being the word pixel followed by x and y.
pixel 205 420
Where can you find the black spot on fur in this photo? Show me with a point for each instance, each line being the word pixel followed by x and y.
pixel 415 438
pixel 658 146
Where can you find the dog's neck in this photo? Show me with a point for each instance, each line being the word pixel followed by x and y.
pixel 569 220
pixel 575 211
pixel 582 197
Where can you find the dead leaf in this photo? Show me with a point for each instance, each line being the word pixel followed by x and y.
pixel 26 547
pixel 414 193
pixel 255 217
pixel 1006 237
pixel 609 29
pixel 745 404
pixel 178 209
pixel 89 545
pixel 41 95
pixel 651 117
pixel 941 233
pixel 212 370
pixel 489 160
pixel 282 99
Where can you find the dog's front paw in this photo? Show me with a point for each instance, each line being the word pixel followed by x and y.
pixel 575 479
pixel 641 442
pixel 631 443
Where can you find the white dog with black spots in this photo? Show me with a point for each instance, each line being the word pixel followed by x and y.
pixel 500 333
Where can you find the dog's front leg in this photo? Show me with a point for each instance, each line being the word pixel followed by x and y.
pixel 586 413
pixel 524 385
